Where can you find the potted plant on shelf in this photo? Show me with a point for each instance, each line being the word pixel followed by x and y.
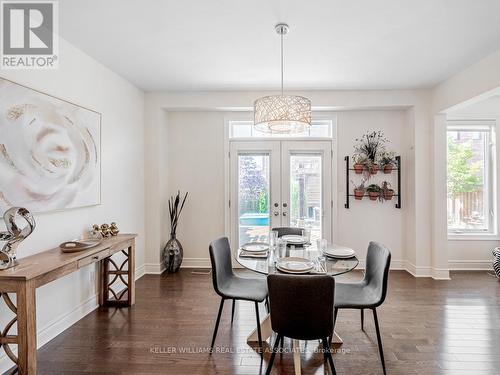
pixel 360 163
pixel 388 161
pixel 371 145
pixel 359 190
pixel 373 192
pixel 386 192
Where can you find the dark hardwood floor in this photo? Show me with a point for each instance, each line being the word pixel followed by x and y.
pixel 428 327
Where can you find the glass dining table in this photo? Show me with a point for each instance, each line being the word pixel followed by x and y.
pixel 266 266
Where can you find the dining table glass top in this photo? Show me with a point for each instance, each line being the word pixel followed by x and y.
pixel 327 265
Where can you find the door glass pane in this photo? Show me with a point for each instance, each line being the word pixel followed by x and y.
pixel 253 197
pixel 305 193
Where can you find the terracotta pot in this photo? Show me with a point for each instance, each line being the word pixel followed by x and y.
pixel 373 195
pixel 388 168
pixel 359 194
pixel 374 169
pixel 388 194
pixel 358 168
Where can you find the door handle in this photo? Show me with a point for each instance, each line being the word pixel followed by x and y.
pixel 276 213
pixel 284 213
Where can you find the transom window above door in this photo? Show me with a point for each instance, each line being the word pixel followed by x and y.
pixel 320 128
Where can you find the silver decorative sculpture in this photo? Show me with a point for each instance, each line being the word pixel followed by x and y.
pixel 14 235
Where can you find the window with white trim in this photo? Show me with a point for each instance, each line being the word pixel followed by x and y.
pixel 244 129
pixel 470 177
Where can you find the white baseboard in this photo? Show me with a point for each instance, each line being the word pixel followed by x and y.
pixel 417 271
pixel 426 271
pixel 140 271
pixel 470 265
pixel 57 325
pixel 440 273
pixel 398 264
pixel 205 263
pixel 154 268
pixel 196 263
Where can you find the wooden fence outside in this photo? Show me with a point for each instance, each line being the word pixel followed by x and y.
pixel 469 206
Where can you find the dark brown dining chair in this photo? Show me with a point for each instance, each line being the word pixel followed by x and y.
pixel 286 231
pixel 370 292
pixel 230 286
pixel 301 309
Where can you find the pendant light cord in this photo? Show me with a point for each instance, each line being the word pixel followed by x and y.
pixel 281 63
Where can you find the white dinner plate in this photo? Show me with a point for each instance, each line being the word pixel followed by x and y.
pixel 341 252
pixel 295 265
pixel 255 247
pixel 294 239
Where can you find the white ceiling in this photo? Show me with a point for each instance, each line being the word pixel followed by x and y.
pixel 332 44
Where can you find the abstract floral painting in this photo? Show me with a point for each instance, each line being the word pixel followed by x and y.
pixel 50 151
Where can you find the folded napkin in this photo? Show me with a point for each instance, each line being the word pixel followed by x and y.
pixel 253 254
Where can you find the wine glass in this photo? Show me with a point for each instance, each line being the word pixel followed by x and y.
pixel 306 233
pixel 321 245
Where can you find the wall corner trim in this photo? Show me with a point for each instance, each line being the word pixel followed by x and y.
pixel 441 274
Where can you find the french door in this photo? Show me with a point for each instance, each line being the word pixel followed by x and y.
pixel 279 183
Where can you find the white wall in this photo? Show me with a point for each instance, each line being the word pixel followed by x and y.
pixel 205 108
pixel 365 220
pixel 455 97
pixel 84 81
pixel 195 163
pixel 476 253
pixel 195 144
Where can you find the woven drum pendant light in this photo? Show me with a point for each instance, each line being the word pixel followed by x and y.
pixel 282 114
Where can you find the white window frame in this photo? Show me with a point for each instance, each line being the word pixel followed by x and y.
pixel 248 117
pixel 491 177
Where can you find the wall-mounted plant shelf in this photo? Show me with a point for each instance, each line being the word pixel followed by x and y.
pixel 349 194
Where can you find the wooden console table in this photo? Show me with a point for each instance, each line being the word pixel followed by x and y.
pixel 42 268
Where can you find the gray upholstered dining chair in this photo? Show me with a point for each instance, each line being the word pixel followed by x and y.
pixel 284 231
pixel 370 292
pixel 301 309
pixel 230 286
